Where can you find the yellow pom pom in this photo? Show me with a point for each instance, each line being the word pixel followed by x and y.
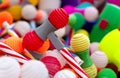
pixel 79 42
pixel 110 44
pixel 91 71
pixel 33 2
pixel 83 31
pixel 15 11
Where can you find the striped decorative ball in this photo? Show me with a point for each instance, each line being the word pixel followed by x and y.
pixel 34 69
pixel 52 64
pixel 79 42
pixel 66 73
pixel 55 53
pixel 83 31
pixel 100 59
pixel 91 71
pixel 9 67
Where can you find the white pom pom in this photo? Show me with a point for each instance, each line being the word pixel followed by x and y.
pixel 65 74
pixel 94 47
pixel 91 14
pixel 100 59
pixel 22 27
pixel 14 2
pixel 34 69
pixel 9 68
pixel 29 12
pixel 49 5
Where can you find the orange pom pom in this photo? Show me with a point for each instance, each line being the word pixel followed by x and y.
pixel 15 43
pixel 5 16
pixel 44 47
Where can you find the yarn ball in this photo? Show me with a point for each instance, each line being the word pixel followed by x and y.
pixel 48 6
pixel 29 12
pixel 9 67
pixel 5 16
pixel 82 31
pixel 44 47
pixel 100 59
pixel 14 2
pixel 66 73
pixel 15 11
pixel 55 53
pixel 21 28
pixel 41 16
pixel 52 64
pixel 79 42
pixel 106 73
pixel 15 43
pixel 91 71
pixel 34 69
pixel 33 2
pixel 91 14
pixel 94 47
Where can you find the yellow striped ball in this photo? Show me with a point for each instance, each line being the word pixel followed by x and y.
pixel 83 31
pixel 91 71
pixel 79 42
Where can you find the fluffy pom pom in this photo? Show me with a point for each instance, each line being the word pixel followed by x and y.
pixel 21 28
pixel 29 12
pixel 5 16
pixel 91 14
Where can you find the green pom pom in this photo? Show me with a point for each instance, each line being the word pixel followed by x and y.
pixel 76 21
pixel 106 73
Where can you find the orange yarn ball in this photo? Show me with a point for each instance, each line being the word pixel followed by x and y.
pixel 15 43
pixel 44 47
pixel 5 16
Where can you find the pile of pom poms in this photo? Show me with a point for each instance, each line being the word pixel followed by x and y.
pixel 91 36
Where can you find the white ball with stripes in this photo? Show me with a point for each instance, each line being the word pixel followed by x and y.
pixel 100 59
pixel 9 67
pixel 34 69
